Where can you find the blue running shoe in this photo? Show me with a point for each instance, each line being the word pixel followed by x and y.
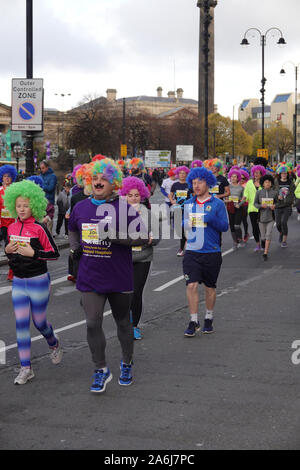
pixel 137 333
pixel 207 328
pixel 101 378
pixel 126 374
pixel 192 329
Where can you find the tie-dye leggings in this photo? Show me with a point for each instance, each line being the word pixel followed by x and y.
pixel 31 294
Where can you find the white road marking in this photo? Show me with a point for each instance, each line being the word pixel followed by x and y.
pixel 58 330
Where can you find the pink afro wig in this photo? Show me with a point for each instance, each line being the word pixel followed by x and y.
pixel 131 182
pixel 260 168
pixel 182 168
pixel 197 164
pixel 297 170
pixel 235 171
pixel 245 174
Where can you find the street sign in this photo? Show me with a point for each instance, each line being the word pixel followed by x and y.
pixel 157 158
pixel 123 150
pixel 27 104
pixel 184 153
pixel 263 153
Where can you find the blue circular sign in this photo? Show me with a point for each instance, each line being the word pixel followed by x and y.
pixel 27 111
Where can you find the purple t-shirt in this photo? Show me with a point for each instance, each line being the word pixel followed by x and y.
pixel 104 266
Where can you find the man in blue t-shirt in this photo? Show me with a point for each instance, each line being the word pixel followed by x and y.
pixel 205 218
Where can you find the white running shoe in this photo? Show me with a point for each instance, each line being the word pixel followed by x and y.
pixel 57 353
pixel 298 218
pixel 25 374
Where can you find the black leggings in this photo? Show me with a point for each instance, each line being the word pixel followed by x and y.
pixel 140 274
pixel 235 220
pixel 93 305
pixel 60 220
pixel 255 226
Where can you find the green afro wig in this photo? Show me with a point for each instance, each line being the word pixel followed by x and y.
pixel 27 190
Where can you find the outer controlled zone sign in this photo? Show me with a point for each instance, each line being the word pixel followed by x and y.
pixel 27 104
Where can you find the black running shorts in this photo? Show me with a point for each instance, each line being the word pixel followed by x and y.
pixel 202 267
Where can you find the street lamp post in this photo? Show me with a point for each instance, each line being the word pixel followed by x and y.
pixel 29 74
pixel 282 71
pixel 263 38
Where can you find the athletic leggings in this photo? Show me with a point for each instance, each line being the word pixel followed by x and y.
pixel 93 304
pixel 31 294
pixel 235 220
pixel 282 217
pixel 255 226
pixel 140 274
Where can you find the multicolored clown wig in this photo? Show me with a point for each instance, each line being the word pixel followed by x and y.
pixel 134 183
pixel 258 168
pixel 37 180
pixel 123 163
pixel 110 171
pixel 27 190
pixel 214 162
pixel 201 174
pixel 235 171
pixel 181 168
pixel 8 170
pixel 196 164
pixel 138 163
pixel 76 168
pixel 84 173
pixel 282 168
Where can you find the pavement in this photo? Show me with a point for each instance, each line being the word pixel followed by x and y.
pixel 237 388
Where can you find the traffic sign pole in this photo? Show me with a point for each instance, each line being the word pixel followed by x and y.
pixel 29 163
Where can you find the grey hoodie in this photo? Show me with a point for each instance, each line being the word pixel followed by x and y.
pixel 265 215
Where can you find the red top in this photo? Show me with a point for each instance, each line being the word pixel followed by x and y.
pixel 5 219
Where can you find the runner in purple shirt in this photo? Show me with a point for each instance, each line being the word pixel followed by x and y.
pixel 102 230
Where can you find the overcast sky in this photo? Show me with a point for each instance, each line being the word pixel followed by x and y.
pixel 84 47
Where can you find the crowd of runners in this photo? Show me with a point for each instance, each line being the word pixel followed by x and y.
pixel 113 229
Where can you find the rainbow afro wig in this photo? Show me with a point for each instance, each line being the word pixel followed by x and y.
pixel 138 163
pixel 181 168
pixel 282 168
pixel 76 168
pixel 214 162
pixel 134 183
pixel 201 174
pixel 8 170
pixel 258 168
pixel 27 190
pixel 37 180
pixel 109 170
pixel 235 171
pixel 84 174
pixel 196 164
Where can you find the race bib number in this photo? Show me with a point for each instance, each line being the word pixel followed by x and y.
pixel 196 220
pixel 214 189
pixel 181 194
pixel 90 233
pixel 21 241
pixel 267 201
pixel 136 248
pixel 234 199
pixel 5 214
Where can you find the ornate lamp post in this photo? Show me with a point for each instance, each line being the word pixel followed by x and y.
pixel 263 38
